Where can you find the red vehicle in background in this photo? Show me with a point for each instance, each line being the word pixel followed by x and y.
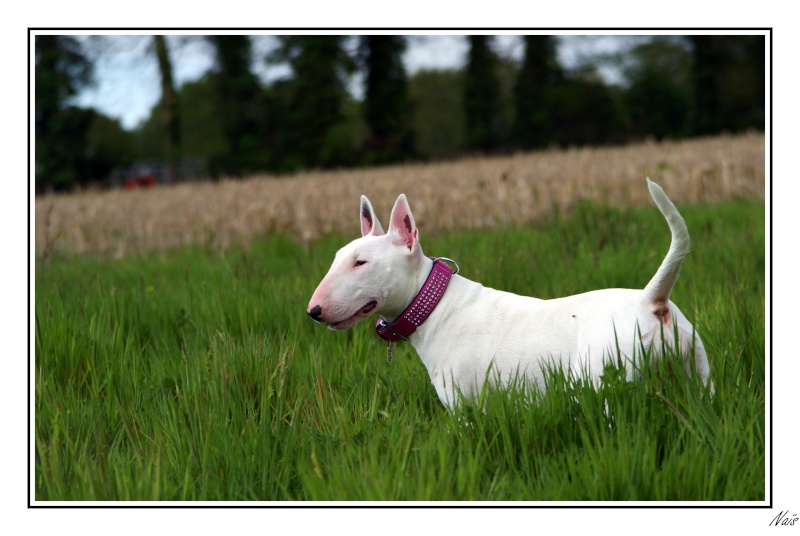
pixel 140 181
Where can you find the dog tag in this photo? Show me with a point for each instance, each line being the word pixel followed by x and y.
pixel 390 353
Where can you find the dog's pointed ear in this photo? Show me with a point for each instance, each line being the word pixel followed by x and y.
pixel 402 228
pixel 369 221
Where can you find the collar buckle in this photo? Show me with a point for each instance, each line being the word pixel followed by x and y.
pixel 383 325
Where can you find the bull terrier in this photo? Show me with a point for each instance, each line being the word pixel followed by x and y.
pixel 467 334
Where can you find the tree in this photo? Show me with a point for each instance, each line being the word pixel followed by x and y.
pixel 201 133
pixel 108 146
pixel 538 74
pixel 387 109
pixel 558 107
pixel 437 99
pixel 481 91
pixel 61 70
pixel 727 82
pixel 317 95
pixel 583 110
pixel 707 108
pixel 755 57
pixel 169 107
pixel 240 106
pixel 658 96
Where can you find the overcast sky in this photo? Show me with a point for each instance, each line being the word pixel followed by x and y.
pixel 127 79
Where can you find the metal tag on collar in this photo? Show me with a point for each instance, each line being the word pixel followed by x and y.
pixel 390 353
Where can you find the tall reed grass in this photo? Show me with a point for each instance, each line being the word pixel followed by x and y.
pixel 469 193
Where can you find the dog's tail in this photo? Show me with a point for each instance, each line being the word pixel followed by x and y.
pixel 658 289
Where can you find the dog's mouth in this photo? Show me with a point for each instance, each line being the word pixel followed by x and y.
pixel 357 317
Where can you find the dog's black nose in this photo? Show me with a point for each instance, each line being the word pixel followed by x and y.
pixel 315 312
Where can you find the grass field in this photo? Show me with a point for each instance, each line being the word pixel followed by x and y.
pixel 194 374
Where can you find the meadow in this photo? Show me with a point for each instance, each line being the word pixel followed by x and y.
pixel 191 372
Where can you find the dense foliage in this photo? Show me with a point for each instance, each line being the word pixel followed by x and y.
pixel 673 87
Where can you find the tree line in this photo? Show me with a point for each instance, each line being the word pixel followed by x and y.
pixel 673 87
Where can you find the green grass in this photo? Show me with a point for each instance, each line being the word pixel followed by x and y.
pixel 195 376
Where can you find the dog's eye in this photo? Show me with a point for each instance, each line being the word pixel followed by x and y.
pixel 360 263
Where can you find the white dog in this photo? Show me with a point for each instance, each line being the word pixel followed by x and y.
pixel 463 330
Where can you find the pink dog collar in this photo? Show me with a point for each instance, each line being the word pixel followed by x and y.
pixel 422 305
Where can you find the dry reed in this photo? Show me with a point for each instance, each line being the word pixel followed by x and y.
pixel 472 192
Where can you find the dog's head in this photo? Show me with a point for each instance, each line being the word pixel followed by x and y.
pixel 377 273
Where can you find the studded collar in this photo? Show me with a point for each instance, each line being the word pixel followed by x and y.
pixel 421 306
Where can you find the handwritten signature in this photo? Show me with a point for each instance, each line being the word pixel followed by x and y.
pixel 783 519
